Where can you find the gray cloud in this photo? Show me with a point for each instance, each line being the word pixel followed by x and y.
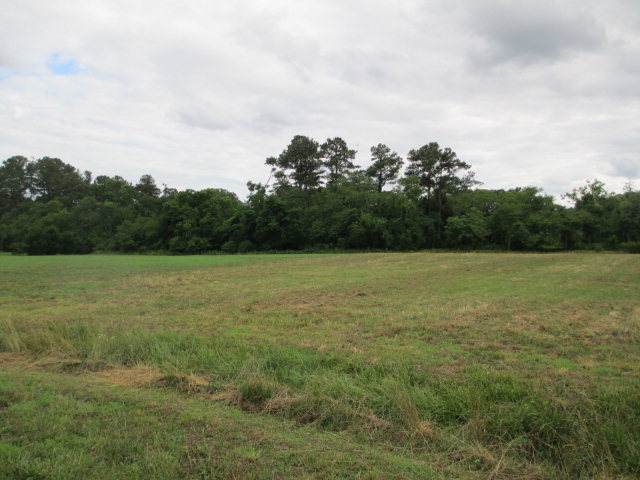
pixel 202 117
pixel 628 167
pixel 533 31
pixel 198 94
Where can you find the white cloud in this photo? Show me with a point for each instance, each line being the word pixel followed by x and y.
pixel 199 93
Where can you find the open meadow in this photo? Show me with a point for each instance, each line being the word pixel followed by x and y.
pixel 372 366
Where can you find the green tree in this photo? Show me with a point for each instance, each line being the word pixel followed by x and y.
pixel 385 167
pixel 140 234
pixel 300 162
pixel 197 221
pixel 147 186
pixel 50 228
pixel 592 208
pixel 440 175
pixel 147 199
pixel 100 220
pixel 438 171
pixel 52 179
pixel 13 182
pixel 628 217
pixel 525 219
pixel 468 230
pixel 113 189
pixel 338 159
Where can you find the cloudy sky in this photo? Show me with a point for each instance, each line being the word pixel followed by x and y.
pixel 198 94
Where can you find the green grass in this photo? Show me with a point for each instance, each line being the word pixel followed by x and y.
pixel 424 365
pixel 56 427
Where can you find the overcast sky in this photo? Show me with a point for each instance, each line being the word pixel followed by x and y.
pixel 198 94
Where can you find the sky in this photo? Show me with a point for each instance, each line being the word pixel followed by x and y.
pixel 198 94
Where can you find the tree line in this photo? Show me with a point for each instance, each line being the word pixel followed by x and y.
pixel 316 199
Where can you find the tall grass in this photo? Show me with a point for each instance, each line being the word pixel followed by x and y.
pixel 556 423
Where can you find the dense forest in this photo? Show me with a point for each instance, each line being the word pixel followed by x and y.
pixel 315 200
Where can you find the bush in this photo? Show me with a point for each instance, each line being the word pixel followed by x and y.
pixel 630 247
pixel 245 246
pixel 229 247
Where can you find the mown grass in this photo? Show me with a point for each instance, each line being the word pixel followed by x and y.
pixel 476 365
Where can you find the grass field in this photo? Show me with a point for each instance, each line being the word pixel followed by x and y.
pixel 372 366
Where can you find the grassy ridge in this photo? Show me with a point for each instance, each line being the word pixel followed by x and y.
pixel 493 364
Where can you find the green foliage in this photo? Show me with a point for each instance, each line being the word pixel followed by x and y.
pixel 518 219
pixel 385 166
pixel 337 157
pixel 140 234
pixel 320 201
pixel 13 183
pixel 467 231
pixel 52 179
pixel 147 186
pixel 113 189
pixel 630 247
pixel 300 162
pixel 46 229
pixel 196 222
pixel 437 172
